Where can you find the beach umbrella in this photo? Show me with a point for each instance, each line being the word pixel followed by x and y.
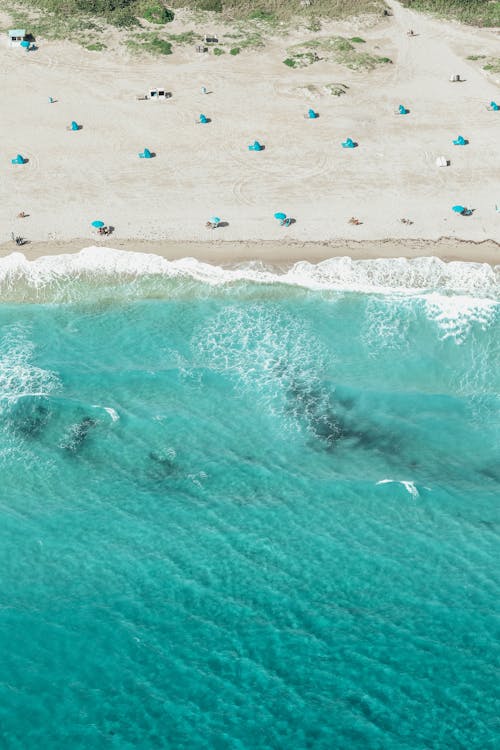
pixel 458 209
pixel 280 215
pixel 25 44
pixel 215 220
pixel 97 224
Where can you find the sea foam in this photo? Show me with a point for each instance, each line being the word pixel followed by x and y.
pixel 120 273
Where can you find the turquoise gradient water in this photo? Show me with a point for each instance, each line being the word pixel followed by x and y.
pixel 249 516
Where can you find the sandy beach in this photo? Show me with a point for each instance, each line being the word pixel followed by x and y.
pixel 281 254
pixel 162 204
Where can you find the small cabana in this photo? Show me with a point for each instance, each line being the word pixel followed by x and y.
pixel 16 36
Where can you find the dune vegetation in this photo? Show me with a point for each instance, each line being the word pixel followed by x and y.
pixel 473 12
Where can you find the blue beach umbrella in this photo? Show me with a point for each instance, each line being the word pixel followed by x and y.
pixel 215 220
pixel 280 215
pixel 458 209
pixel 97 224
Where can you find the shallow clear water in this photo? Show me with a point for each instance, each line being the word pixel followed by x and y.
pixel 249 516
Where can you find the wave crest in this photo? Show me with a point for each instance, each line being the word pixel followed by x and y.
pixel 98 272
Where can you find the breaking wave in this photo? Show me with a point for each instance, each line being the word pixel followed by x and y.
pixel 119 274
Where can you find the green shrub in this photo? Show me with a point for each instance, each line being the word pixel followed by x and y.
pixel 262 15
pixel 154 12
pixel 96 47
pixel 475 12
pixel 218 51
pixel 235 51
pixel 213 5
pixel 357 40
pixel 290 62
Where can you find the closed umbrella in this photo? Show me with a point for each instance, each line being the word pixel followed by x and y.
pixel 280 216
pixel 97 224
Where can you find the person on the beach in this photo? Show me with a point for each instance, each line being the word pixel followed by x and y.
pixel 21 215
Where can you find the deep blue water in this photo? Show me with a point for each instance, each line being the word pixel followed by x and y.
pixel 251 516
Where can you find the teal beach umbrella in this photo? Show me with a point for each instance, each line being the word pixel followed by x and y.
pixel 97 224
pixel 458 209
pixel 280 215
pixel 215 220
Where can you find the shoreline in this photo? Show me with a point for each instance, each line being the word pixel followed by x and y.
pixel 282 253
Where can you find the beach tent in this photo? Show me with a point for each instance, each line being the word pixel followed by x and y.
pixel 18 160
pixel 312 115
pixel 16 36
pixel 255 146
pixel 494 106
pixel 75 125
pixel 146 154
pixel 348 143
pixel 402 110
pixel 441 161
pixel 454 78
pixel 460 141
pixel 203 119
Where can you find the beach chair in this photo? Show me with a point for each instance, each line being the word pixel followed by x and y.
pixel 18 159
pixel 455 78
pixel 442 161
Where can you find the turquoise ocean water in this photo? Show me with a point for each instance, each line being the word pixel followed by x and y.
pixel 241 510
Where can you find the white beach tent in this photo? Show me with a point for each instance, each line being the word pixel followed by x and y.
pixel 441 161
pixel 16 36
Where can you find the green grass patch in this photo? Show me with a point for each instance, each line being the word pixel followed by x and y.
pixel 336 89
pixel 340 50
pixel 150 43
pixel 301 59
pixel 235 51
pixel 357 40
pixel 95 46
pixel 186 37
pixel 472 12
pixel 262 15
pixel 493 65
pixel 153 11
pixel 476 57
pixel 219 51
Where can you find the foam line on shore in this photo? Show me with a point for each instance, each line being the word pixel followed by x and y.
pixel 51 277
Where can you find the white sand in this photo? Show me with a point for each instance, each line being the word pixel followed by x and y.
pixel 73 178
